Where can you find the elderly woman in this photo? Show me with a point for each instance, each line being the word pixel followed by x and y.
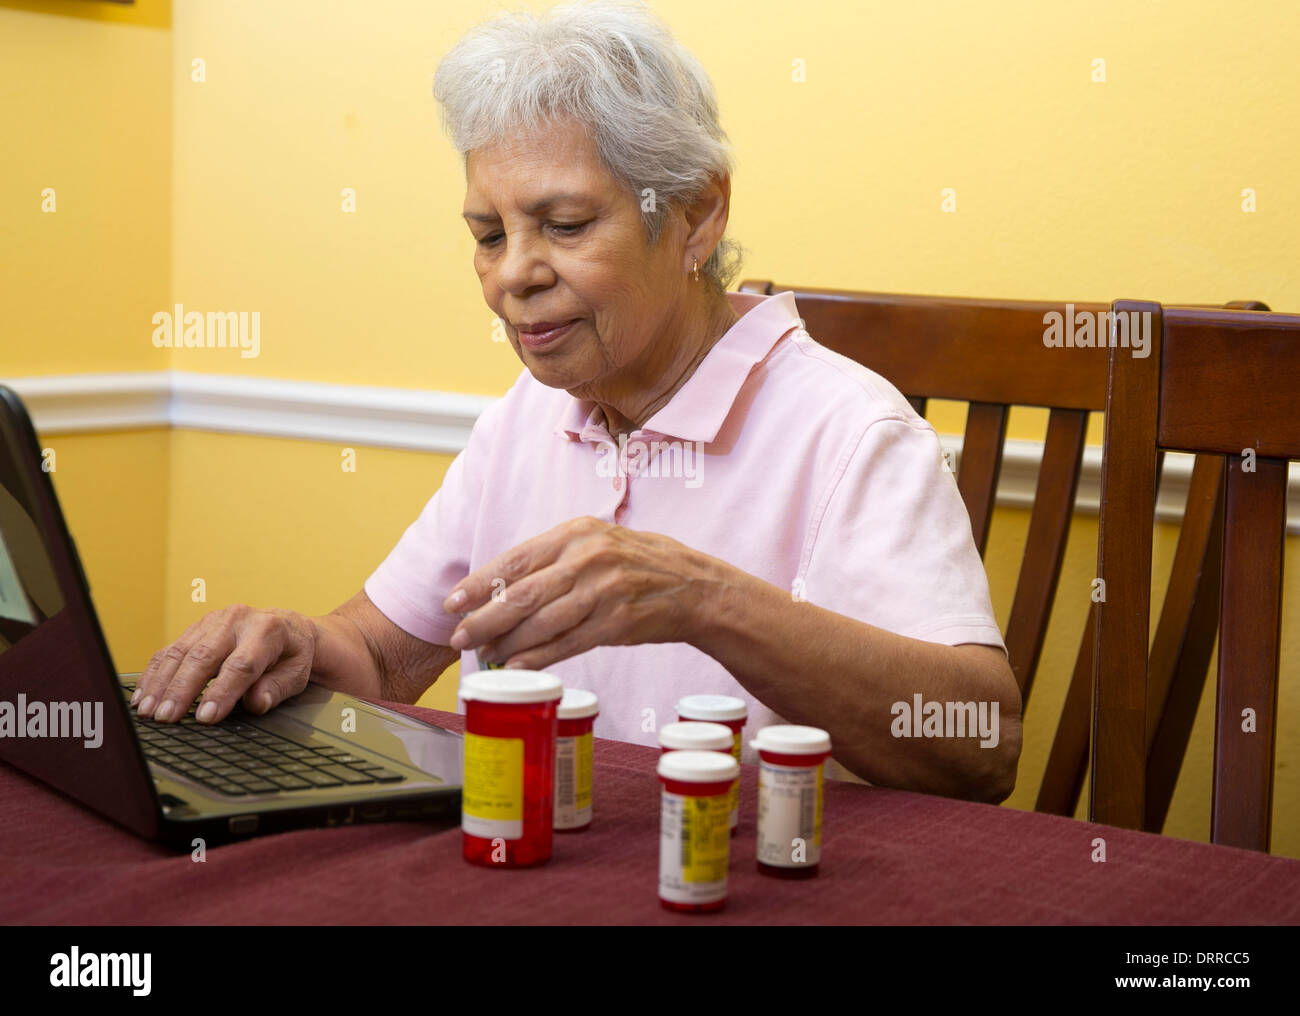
pixel 682 492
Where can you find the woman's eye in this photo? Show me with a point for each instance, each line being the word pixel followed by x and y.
pixel 564 228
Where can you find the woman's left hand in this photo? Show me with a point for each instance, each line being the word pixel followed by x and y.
pixel 583 584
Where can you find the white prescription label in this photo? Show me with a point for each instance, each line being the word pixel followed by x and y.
pixel 573 781
pixel 789 815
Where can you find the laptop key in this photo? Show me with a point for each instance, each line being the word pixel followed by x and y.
pixel 347 775
pixel 258 786
pixel 233 789
pixel 320 779
pixel 288 781
pixel 384 775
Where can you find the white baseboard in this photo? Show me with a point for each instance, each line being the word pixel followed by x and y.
pixel 428 421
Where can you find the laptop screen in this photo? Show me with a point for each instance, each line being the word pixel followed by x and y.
pixel 29 587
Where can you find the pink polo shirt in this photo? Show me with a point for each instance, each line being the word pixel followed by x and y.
pixel 786 459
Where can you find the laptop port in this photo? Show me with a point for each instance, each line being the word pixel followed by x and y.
pixel 241 825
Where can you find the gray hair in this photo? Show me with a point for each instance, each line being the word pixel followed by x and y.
pixel 615 69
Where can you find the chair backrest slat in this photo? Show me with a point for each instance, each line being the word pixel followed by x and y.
pixel 1049 527
pixel 1184 639
pixel 1067 762
pixel 1249 633
pixel 980 465
pixel 1118 789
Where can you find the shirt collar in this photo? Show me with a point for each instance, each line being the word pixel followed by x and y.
pixel 698 409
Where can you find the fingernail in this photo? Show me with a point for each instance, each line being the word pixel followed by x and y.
pixel 206 712
pixel 266 701
pixel 146 705
pixel 164 712
pixel 455 599
pixel 136 697
pixel 460 640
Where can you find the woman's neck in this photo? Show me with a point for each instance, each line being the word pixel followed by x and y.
pixel 626 416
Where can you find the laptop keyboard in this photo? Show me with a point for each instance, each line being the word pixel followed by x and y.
pixel 237 759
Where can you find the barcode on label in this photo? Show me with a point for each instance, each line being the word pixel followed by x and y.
pixel 807 811
pixel 686 833
pixel 565 782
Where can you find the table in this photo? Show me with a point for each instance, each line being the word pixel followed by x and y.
pixel 888 856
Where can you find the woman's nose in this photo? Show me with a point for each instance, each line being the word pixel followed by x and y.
pixel 522 264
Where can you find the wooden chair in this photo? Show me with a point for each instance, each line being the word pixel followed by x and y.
pixel 1220 383
pixel 991 354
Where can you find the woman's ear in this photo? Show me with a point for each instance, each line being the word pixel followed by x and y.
pixel 706 217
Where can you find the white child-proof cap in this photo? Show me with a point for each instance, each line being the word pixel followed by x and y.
pixel 712 707
pixel 510 686
pixel 578 704
pixel 693 735
pixel 792 740
pixel 698 766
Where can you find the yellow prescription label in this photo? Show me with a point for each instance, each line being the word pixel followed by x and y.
pixel 492 798
pixel 695 841
pixel 582 795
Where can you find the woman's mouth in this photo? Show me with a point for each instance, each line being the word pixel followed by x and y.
pixel 543 333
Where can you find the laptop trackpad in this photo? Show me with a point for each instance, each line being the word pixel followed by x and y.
pixel 385 732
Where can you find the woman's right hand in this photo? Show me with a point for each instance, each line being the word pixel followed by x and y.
pixel 261 656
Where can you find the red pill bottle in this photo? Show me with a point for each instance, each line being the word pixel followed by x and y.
pixel 509 766
pixel 573 760
pixel 694 736
pixel 694 839
pixel 790 778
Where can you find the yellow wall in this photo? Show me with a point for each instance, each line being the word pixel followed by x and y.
pixel 225 195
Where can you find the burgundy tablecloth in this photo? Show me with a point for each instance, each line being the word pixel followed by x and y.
pixel 888 857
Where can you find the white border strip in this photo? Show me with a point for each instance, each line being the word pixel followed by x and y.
pixel 350 414
pixel 428 421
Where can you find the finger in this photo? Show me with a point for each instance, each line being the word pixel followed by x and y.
pixel 261 642
pixel 162 665
pixel 478 587
pixel 527 596
pixel 562 613
pixel 283 681
pixel 584 637
pixel 203 660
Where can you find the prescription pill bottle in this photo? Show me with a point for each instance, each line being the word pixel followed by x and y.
pixel 695 736
pixel 509 766
pixel 790 777
pixel 577 713
pixel 694 838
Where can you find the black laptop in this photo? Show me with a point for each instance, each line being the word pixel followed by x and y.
pixel 65 718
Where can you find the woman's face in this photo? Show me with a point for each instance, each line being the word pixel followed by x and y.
pixel 556 240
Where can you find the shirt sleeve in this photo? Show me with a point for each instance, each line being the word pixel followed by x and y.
pixel 892 546
pixel 433 553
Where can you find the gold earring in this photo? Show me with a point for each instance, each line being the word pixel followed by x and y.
pixel 695 271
